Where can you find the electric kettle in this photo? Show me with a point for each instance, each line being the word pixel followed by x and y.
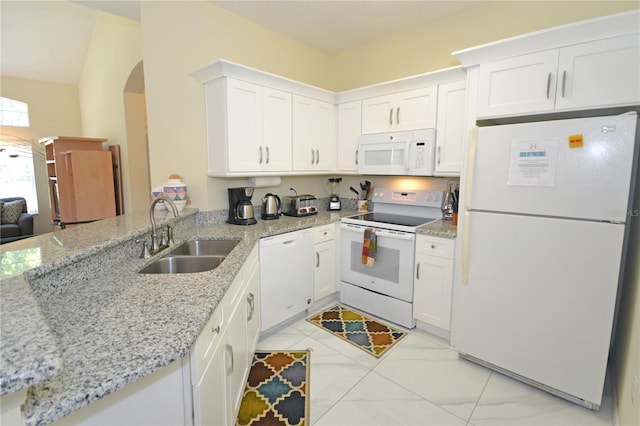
pixel 270 207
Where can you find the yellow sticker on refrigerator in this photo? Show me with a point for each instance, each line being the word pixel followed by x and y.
pixel 576 141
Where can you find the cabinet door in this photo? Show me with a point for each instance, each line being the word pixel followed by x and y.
pixel 378 114
pixel 325 270
pixel 237 356
pixel 276 130
pixel 433 290
pixel 416 109
pixel 602 73
pixel 85 186
pixel 210 405
pixel 252 304
pixel 313 134
pixel 450 128
pixel 524 84
pixel 349 131
pixel 244 126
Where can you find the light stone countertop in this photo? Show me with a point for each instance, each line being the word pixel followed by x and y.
pixel 439 228
pixel 79 322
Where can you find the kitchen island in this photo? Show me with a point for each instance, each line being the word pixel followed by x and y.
pixel 78 320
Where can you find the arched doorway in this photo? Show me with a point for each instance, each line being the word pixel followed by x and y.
pixel 137 140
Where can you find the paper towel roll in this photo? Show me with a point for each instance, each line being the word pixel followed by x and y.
pixel 263 182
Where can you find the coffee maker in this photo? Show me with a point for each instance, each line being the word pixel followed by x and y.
pixel 240 207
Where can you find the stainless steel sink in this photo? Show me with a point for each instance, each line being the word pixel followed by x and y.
pixel 205 248
pixel 183 264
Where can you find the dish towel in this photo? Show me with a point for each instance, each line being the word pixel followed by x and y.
pixel 369 247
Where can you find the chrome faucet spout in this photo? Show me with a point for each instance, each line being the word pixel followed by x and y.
pixel 154 232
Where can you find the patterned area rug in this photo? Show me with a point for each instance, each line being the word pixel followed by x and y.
pixel 277 390
pixel 368 334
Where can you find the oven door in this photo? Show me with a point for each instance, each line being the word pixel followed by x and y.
pixel 392 271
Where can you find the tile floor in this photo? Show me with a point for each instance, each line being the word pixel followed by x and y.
pixel 420 381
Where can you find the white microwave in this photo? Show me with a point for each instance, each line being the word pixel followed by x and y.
pixel 410 153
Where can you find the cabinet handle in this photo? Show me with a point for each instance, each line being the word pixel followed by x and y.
pixel 548 85
pixel 356 157
pixel 313 157
pixel 564 81
pixel 317 156
pixel 216 329
pixel 391 117
pixel 418 271
pixel 230 354
pixel 317 260
pixel 260 155
pixel 433 246
pixel 267 149
pixel 439 154
pixel 398 115
pixel 251 302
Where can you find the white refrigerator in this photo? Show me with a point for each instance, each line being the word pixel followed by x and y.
pixel 543 237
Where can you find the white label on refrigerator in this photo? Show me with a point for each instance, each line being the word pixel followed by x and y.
pixel 533 163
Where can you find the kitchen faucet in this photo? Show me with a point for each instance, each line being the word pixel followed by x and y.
pixel 157 246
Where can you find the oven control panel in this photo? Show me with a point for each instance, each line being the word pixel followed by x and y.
pixel 418 197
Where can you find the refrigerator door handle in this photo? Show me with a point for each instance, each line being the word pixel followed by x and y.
pixel 465 248
pixel 470 167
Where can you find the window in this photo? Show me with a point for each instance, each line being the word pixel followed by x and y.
pixel 17 176
pixel 13 113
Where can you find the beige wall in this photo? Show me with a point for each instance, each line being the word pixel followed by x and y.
pixel 428 47
pixel 181 37
pixel 54 110
pixel 113 54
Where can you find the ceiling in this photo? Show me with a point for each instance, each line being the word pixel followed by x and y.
pixel 29 49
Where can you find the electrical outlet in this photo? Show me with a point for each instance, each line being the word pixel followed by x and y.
pixel 634 389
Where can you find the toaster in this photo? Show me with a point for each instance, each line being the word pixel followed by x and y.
pixel 299 205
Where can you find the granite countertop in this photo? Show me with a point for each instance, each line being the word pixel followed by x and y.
pixel 439 228
pixel 79 322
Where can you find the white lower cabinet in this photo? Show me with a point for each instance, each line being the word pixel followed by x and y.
pixel 324 246
pixel 221 358
pixel 433 281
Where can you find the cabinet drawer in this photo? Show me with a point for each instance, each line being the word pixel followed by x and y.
pixel 434 246
pixel 324 233
pixel 207 341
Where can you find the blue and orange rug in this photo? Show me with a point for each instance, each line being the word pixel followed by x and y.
pixel 371 336
pixel 277 391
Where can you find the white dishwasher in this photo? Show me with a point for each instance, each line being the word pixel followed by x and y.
pixel 286 276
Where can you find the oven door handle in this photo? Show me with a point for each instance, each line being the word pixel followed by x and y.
pixel 379 232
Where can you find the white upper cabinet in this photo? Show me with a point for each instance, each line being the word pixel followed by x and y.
pixel 452 98
pixel 410 110
pixel 248 128
pixel 602 73
pixel 349 131
pixel 605 72
pixel 517 85
pixel 314 134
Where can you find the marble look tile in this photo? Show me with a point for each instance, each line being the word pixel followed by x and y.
pixel 506 401
pixel 376 400
pixel 332 375
pixel 283 338
pixel 435 372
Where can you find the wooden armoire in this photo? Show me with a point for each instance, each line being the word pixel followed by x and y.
pixel 81 180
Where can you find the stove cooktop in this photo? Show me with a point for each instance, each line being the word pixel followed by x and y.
pixel 393 219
